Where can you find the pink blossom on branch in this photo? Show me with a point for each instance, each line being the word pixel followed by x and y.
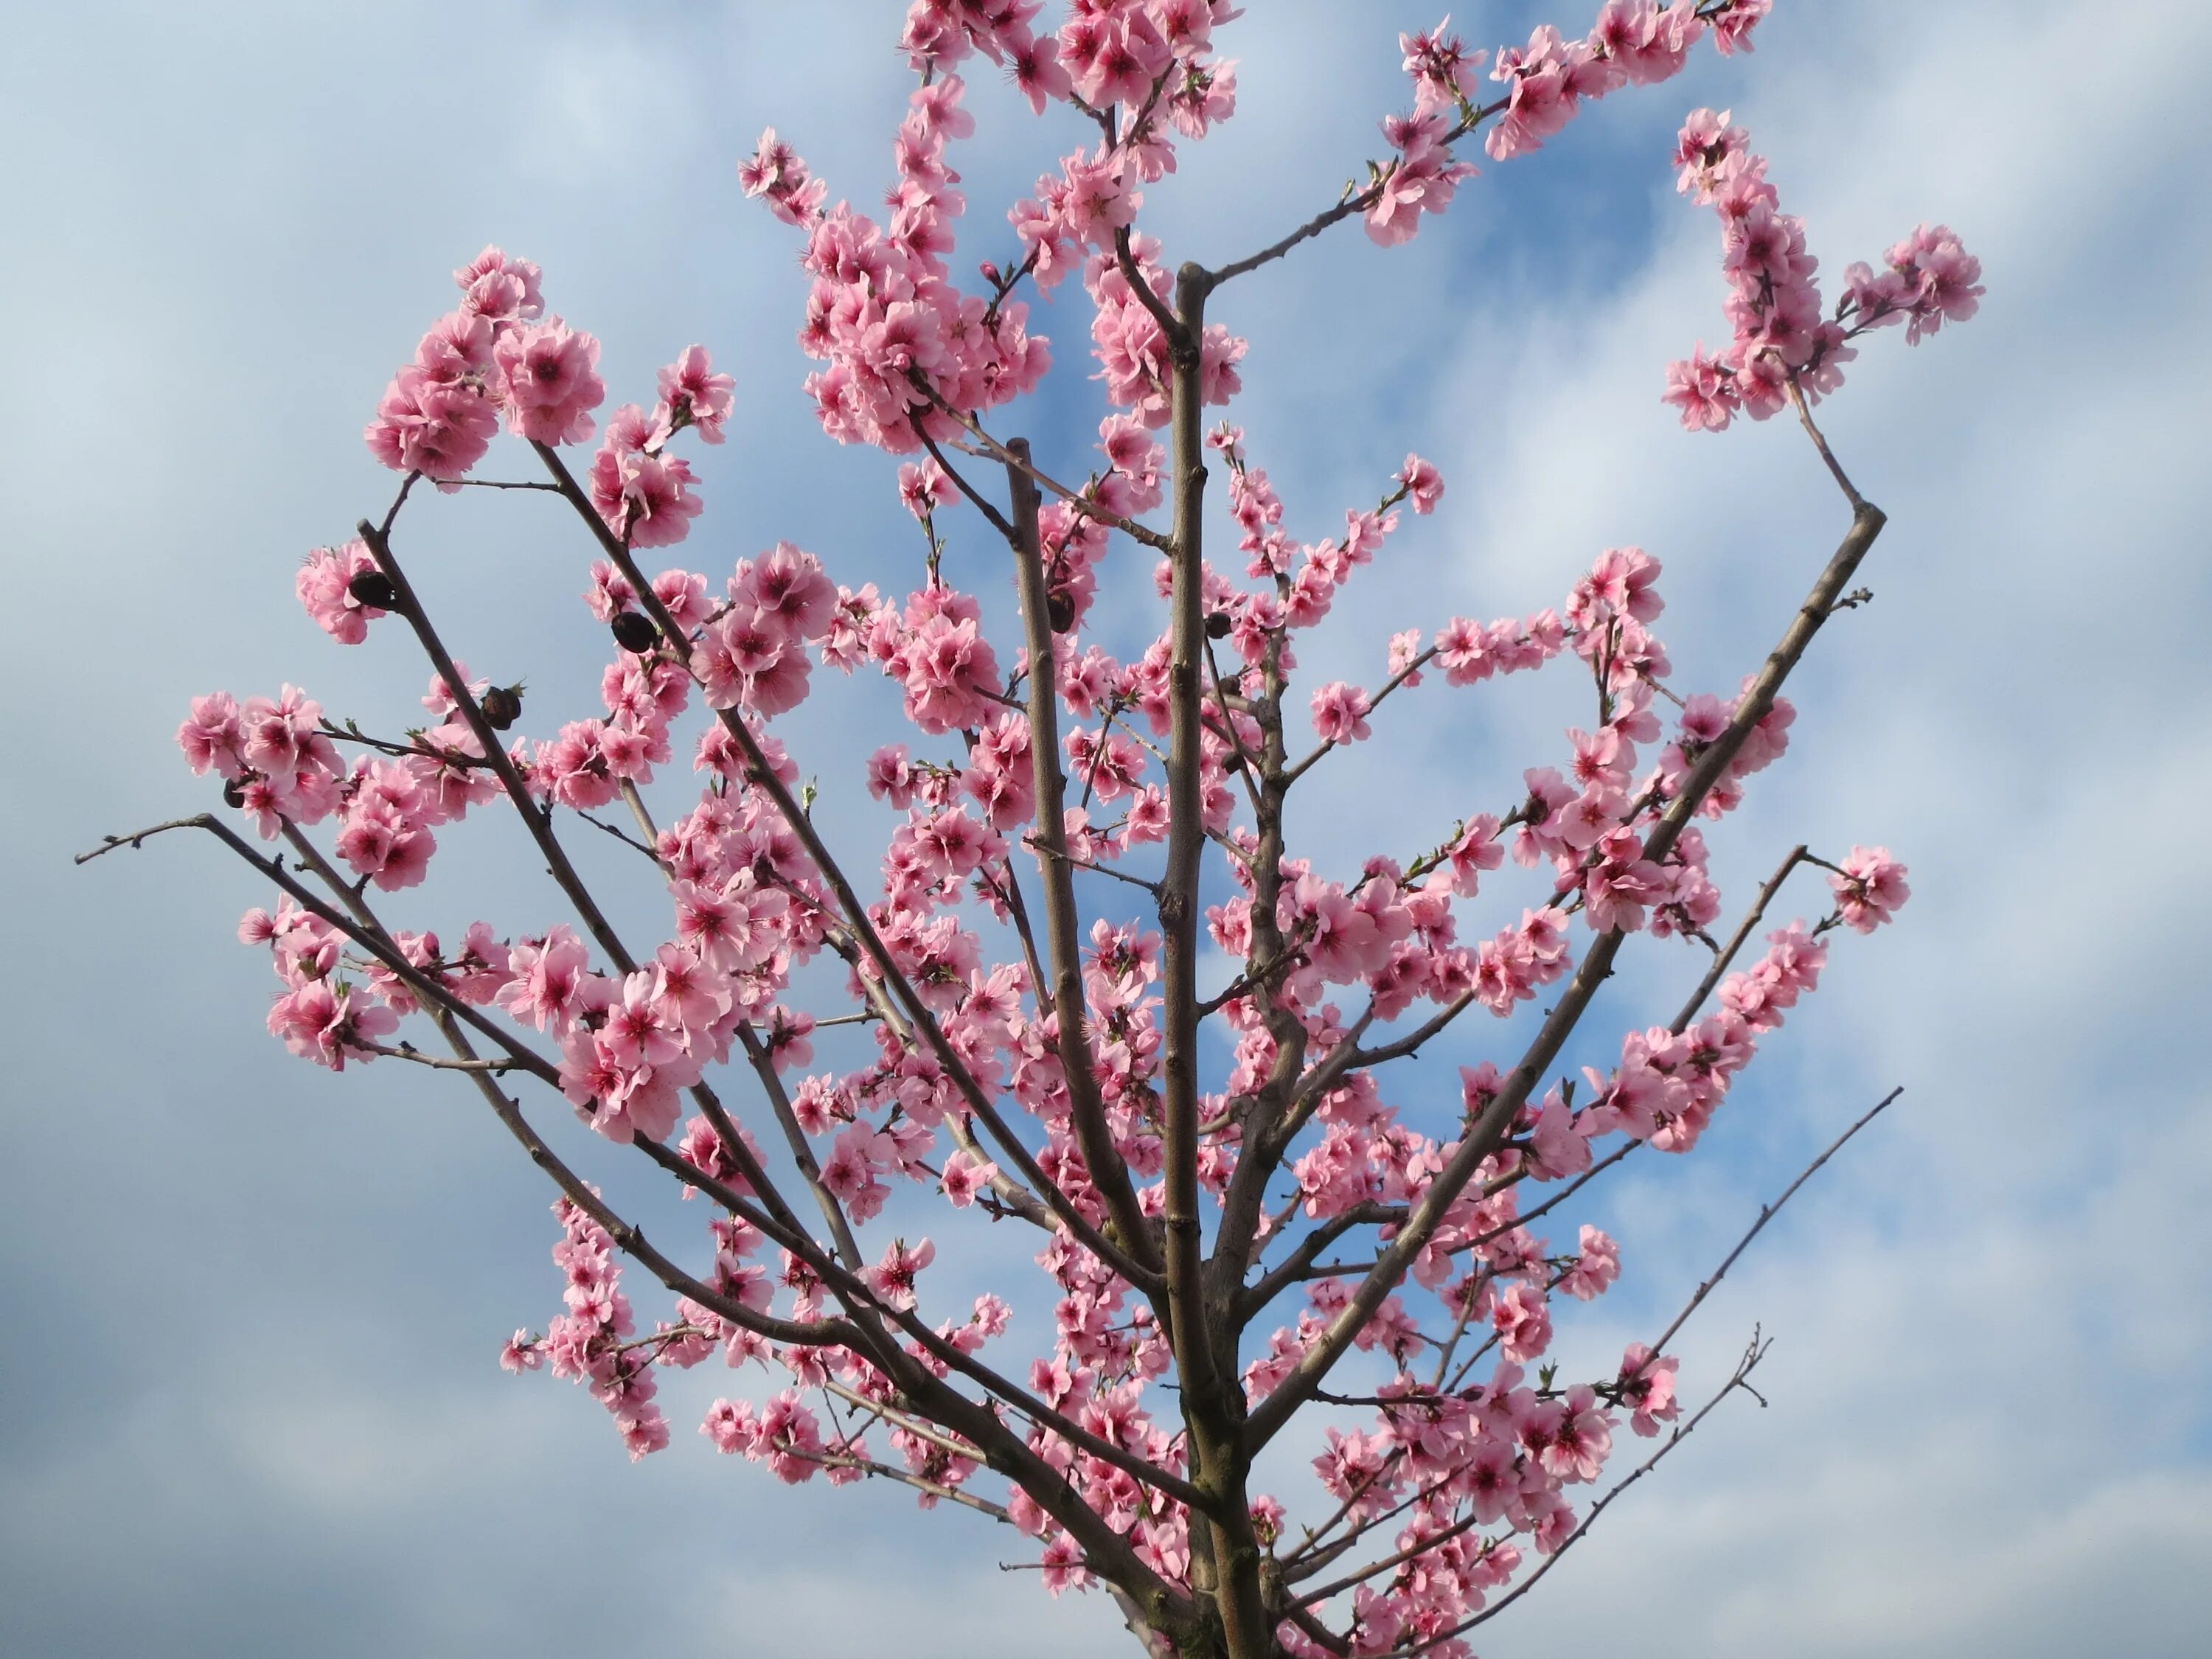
pixel 1783 344
pixel 1242 1205
pixel 549 378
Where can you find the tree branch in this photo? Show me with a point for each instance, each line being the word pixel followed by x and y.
pixel 1063 926
pixel 855 915
pixel 1489 1131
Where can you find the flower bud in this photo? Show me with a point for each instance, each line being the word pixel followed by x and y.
pixel 635 632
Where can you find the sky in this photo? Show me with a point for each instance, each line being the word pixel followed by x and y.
pixel 251 1406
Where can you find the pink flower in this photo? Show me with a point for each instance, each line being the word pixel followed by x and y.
pixel 774 173
pixel 644 495
pixel 324 587
pixel 1647 1389
pixel 1644 42
pixel 386 838
pixel 1703 389
pixel 1423 484
pixel 550 375
pixel 500 288
pixel 951 674
pixel 1594 1269
pixel 1037 73
pixel 731 929
pixel 693 395
pixel 425 426
pixel 1576 1436
pixel 572 768
pixel 893 1277
pixel 213 737
pixel 326 1025
pixel 965 1176
pixel 786 584
pixel 922 488
pixel 1523 1321
pixel 1063 1566
pixel 1732 27
pixel 1936 280
pixel 521 1353
pixel 546 980
pixel 1870 886
pixel 787 1432
pixel 1445 73
pixel 1340 713
pixel 729 1426
pixel 748 660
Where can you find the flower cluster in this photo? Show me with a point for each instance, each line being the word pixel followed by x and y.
pixel 902 343
pixel 593 1343
pixel 1633 43
pixel 1782 341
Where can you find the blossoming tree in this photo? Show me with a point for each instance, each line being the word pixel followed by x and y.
pixel 1246 1204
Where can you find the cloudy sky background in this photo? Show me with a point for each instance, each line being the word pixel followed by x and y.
pixel 252 1407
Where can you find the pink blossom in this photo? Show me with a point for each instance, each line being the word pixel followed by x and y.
pixel 500 288
pixel 326 1025
pixel 1063 1566
pixel 965 1176
pixel 893 1277
pixel 1423 484
pixel 950 672
pixel 1645 42
pixel 1444 71
pixel 1422 179
pixel 324 587
pixel 1732 27
pixel 1594 1269
pixel 426 426
pixel 1646 1387
pixel 1870 886
pixel 786 586
pixel 693 395
pixel 775 173
pixel 644 494
pixel 1575 1437
pixel 1704 390
pixel 549 373
pixel 213 737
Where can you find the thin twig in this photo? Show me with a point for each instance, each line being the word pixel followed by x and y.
pixel 1827 455
pixel 408 1052
pixel 1767 1212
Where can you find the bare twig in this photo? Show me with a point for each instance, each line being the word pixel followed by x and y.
pixel 1767 1212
